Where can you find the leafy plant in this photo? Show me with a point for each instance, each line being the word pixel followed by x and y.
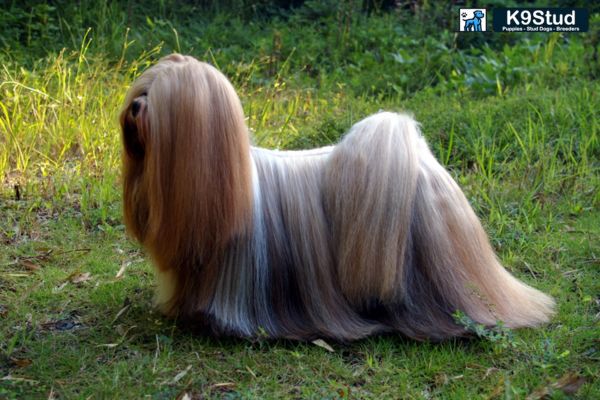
pixel 498 334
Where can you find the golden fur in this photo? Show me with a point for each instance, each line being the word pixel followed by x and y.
pixel 367 236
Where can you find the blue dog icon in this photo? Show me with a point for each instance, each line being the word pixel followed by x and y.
pixel 474 24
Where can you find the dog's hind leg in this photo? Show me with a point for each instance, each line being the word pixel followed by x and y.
pixel 408 247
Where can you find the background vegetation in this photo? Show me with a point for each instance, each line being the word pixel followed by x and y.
pixel 513 116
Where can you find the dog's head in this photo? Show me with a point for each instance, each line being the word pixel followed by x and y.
pixel 186 158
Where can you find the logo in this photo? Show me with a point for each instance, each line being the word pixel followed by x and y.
pixel 472 19
pixel 541 20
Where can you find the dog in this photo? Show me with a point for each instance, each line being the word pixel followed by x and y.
pixel 368 236
pixel 474 24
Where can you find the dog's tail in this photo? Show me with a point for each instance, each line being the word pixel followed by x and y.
pixel 410 249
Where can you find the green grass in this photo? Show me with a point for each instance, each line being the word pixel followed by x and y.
pixel 519 132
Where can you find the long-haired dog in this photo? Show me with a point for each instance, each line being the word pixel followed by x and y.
pixel 371 235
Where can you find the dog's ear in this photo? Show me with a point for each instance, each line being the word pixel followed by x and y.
pixel 134 123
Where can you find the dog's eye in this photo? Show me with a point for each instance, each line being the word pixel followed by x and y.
pixel 136 104
pixel 135 107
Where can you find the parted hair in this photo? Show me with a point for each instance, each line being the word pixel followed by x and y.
pixel 370 235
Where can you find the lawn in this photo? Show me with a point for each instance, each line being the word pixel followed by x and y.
pixel 514 117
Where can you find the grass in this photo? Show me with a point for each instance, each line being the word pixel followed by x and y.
pixel 519 132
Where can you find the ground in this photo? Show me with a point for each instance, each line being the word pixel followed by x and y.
pixel 514 118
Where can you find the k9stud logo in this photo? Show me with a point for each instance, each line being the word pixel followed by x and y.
pixel 541 20
pixel 472 20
